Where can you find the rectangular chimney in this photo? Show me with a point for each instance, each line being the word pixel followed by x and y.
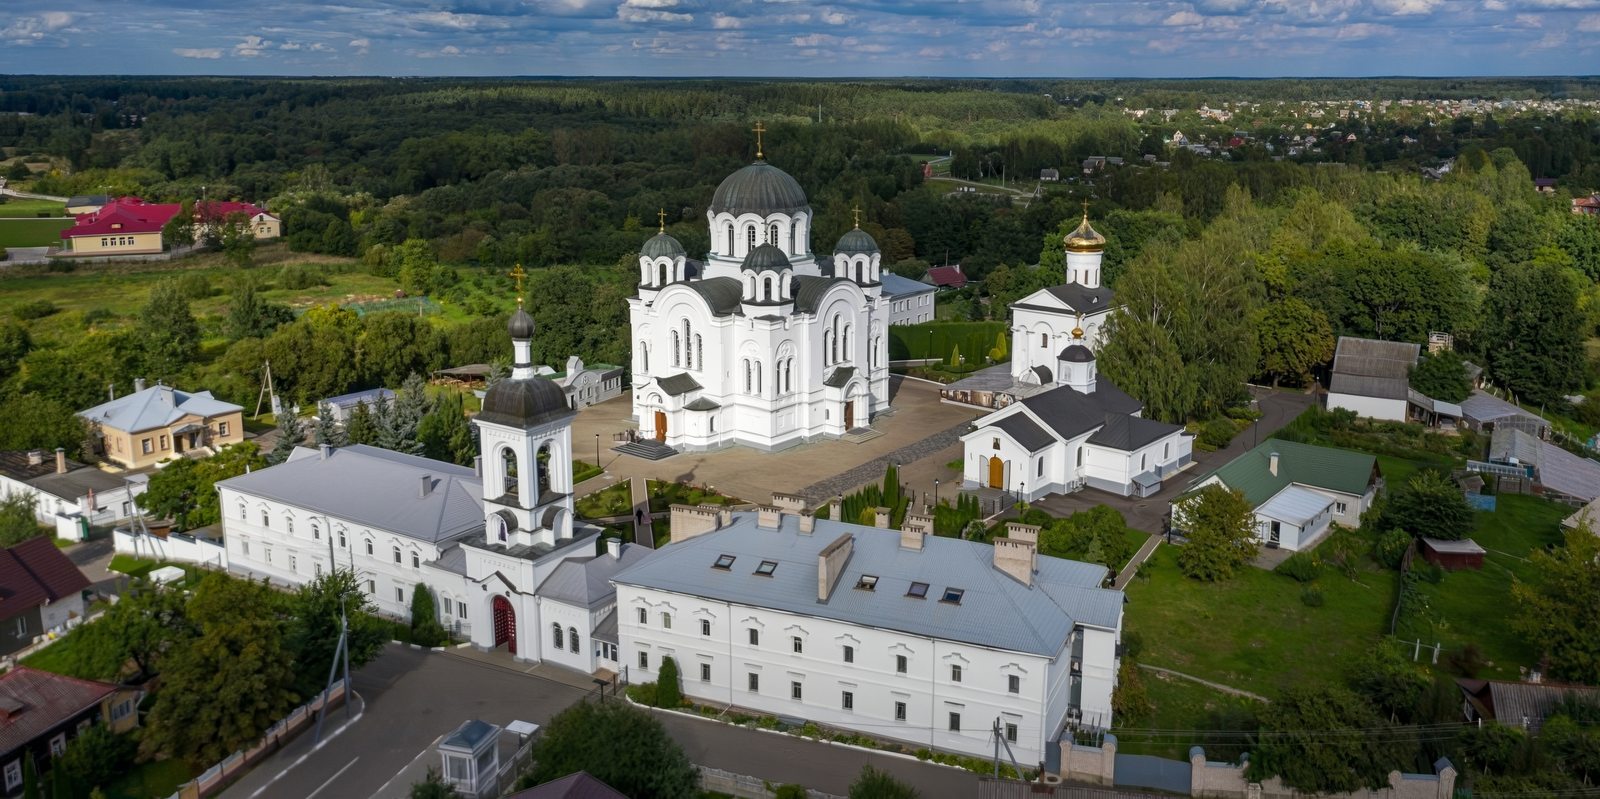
pixel 830 564
pixel 1272 463
pixel 614 548
pixel 427 486
pixel 769 517
pixel 808 522
pixel 477 466
pixel 326 450
pixel 61 461
pixel 880 518
pixel 911 538
pixel 1022 532
pixel 138 384
pixel 1015 558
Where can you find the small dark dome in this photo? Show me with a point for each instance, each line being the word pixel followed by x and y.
pixel 1076 353
pixel 524 403
pixel 766 258
pixel 857 241
pixel 759 188
pixel 521 326
pixel 661 246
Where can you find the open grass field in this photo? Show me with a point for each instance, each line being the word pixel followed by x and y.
pixel 32 232
pixel 1475 606
pixel 1180 706
pixel 1253 632
pixel 14 208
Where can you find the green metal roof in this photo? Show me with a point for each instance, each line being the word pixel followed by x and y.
pixel 1306 464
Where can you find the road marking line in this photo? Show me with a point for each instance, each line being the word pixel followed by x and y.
pixel 314 749
pixel 424 753
pixel 335 776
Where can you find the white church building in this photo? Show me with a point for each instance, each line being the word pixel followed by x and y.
pixel 766 343
pixel 496 543
pixel 1049 320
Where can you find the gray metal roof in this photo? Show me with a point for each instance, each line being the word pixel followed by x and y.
pixel 1365 386
pixel 1512 702
pixel 839 376
pixel 1569 474
pixel 1508 442
pixel 897 287
pixel 1481 406
pixel 1365 367
pixel 1076 353
pixel 678 384
pixel 606 630
pixel 1022 429
pixel 1083 299
pixel 586 582
pixel 469 735
pixel 1128 433
pixel 661 246
pixel 995 610
pixel 521 326
pixel 1071 413
pixel 701 404
pixel 370 395
pixel 1295 504
pixel 855 241
pixel 808 291
pixel 722 294
pixel 759 188
pixel 377 488
pixel 453 560
pixel 157 406
pixel 765 258
pixel 524 403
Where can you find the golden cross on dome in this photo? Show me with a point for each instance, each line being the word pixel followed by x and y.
pixel 1086 210
pixel 661 217
pixel 759 129
pixel 517 274
pixel 856 212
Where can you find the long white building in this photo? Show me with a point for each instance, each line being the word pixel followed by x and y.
pixel 937 642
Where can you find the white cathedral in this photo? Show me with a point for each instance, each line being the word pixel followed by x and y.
pixel 765 343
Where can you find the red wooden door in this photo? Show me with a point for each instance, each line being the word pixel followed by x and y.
pixel 505 624
pixel 661 427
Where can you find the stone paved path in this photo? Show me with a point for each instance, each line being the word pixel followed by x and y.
pixel 1139 558
pixel 643 524
pixel 1207 683
pixel 851 479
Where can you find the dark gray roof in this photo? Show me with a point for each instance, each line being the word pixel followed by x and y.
pixel 661 246
pixel 606 630
pixel 586 582
pixel 374 487
pixel 856 241
pixel 1365 367
pixel 722 294
pixel 759 188
pixel 524 403
pixel 766 258
pixel 521 325
pixel 80 200
pixel 678 384
pixel 1043 373
pixel 1076 353
pixel 80 481
pixel 839 377
pixel 808 291
pixel 995 610
pixel 1481 406
pixel 469 735
pixel 1031 436
pixel 1071 413
pixel 1081 298
pixel 1128 433
pixel 579 785
pixel 701 404
pixel 1512 702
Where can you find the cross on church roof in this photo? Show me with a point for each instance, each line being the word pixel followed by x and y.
pixel 856 212
pixel 1086 210
pixel 517 274
pixel 759 129
pixel 661 217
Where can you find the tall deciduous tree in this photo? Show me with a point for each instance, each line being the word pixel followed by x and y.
pixel 251 316
pixel 1532 331
pixel 1310 739
pixel 1220 526
pixel 1294 338
pixel 184 491
pixel 18 522
pixel 313 632
pixel 138 631
pixel 167 331
pixel 1560 611
pixel 1430 505
pixel 1442 376
pixel 618 744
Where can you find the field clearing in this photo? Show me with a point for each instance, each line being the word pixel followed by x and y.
pixel 32 232
pixel 16 208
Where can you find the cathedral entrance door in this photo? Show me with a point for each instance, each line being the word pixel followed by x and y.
pixel 661 427
pixel 505 624
pixel 997 473
pixel 849 414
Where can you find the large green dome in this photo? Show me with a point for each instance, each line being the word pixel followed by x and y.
pixel 759 188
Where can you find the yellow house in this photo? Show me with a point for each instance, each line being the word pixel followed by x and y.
pixel 125 226
pixel 160 422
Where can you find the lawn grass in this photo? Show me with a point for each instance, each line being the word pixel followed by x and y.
pixel 664 495
pixel 32 232
pixel 615 500
pixel 584 470
pixel 154 779
pixel 1475 606
pixel 1178 705
pixel 14 208
pixel 132 566
pixel 1253 632
pixel 53 658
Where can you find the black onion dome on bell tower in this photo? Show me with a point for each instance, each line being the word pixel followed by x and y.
pixel 856 242
pixel 662 246
pixel 766 258
pixel 524 403
pixel 521 325
pixel 759 188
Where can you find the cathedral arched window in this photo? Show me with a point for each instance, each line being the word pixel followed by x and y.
pixel 699 352
pixel 827 346
pixel 788 375
pixel 730 240
pixel 746 363
pixel 749 237
pixel 572 640
pixel 508 470
pixel 756 367
pixel 772 233
pixel 677 349
pixel 543 458
pixel 663 280
pixel 849 339
pixel 555 635
pixel 688 361
pixel 644 356
pixel 1044 340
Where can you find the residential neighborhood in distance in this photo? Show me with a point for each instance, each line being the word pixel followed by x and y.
pixel 778 425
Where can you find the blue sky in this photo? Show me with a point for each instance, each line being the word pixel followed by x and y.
pixel 770 38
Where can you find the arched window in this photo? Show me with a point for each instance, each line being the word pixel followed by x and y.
pixel 849 340
pixel 508 470
pixel 677 349
pixel 396 551
pixel 265 521
pixel 750 237
pixel 663 272
pixel 369 546
pixel 644 356
pixel 555 634
pixel 1039 472
pixel 1080 457
pixel 288 524
pixel 687 361
pixel 772 233
pixel 316 532
pixel 746 375
pixel 244 513
pixel 543 457
pixel 699 352
pixel 756 366
pixel 572 640
pixel 341 538
pixel 1044 339
pixel 730 239
pixel 500 527
pixel 788 374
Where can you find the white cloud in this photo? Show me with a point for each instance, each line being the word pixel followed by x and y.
pixel 1183 18
pixel 640 11
pixel 198 52
pixel 361 46
pixel 1405 8
pixel 27 30
pixel 835 17
pixel 319 47
pixel 1589 24
pixel 251 46
pixel 289 46
pixel 812 40
pixel 450 20
pixel 723 22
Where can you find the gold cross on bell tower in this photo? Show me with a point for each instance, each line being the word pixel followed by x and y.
pixel 759 129
pixel 517 274
pixel 856 212
pixel 661 219
pixel 1086 210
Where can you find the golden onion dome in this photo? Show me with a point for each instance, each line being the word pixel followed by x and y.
pixel 1077 332
pixel 1084 238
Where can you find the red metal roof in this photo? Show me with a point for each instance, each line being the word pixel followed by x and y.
pixel 218 209
pixel 34 702
pixel 34 573
pixel 947 276
pixel 122 216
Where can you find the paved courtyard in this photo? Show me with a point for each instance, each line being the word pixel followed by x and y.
pixel 410 698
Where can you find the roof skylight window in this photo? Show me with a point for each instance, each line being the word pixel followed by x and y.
pixel 868 582
pixel 952 595
pixel 917 590
pixel 766 568
pixel 724 562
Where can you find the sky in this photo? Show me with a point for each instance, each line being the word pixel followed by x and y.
pixel 803 38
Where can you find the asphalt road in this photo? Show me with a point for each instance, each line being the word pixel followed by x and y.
pixel 411 698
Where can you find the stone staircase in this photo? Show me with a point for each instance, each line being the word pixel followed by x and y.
pixel 860 435
pixel 647 449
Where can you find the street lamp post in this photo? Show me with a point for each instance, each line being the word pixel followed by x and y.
pixel 936 492
pixel 596 450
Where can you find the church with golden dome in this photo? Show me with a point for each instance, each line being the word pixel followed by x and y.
pixel 1046 324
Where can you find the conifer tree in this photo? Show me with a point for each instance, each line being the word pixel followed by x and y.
pixel 327 430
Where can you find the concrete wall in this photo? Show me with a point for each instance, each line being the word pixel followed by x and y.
pixel 1218 780
pixel 175 547
pixel 1393 410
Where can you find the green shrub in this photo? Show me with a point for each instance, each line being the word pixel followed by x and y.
pixel 1431 572
pixel 1311 597
pixel 790 791
pixel 296 277
pixel 95 316
pixel 195 286
pixel 1302 567
pixel 425 627
pixel 643 692
pixel 1132 644
pixel 34 309
pixel 1390 549
pixel 669 693
pixel 1216 433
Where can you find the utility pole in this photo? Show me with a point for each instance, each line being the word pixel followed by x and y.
pixel 341 648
